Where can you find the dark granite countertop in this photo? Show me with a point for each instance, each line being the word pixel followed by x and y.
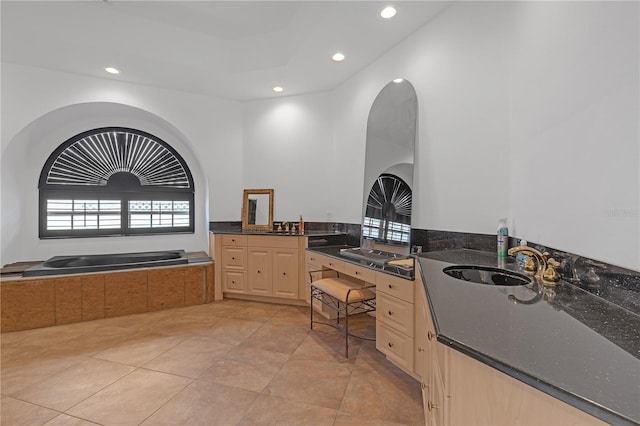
pixel 274 233
pixel 567 342
pixel 334 251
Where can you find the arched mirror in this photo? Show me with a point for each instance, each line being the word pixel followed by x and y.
pixel 388 173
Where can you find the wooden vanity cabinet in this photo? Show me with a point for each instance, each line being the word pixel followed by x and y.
pixel 395 317
pixel 233 254
pixel 261 265
pixel 431 362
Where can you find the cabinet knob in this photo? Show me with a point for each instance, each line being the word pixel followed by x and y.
pixel 423 386
pixel 420 349
pixel 390 344
pixel 430 335
pixel 357 272
pixel 431 406
pixel 390 286
pixel 390 313
pixel 233 282
pixel 258 271
pixel 233 258
pixel 233 241
pixel 284 273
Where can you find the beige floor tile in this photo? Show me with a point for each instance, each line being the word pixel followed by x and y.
pixel 66 420
pixel 19 375
pixel 79 382
pixel 231 331
pixel 181 324
pixel 311 381
pixel 14 412
pixel 327 346
pixel 50 336
pixel 140 351
pixel 276 338
pixel 270 410
pixel 131 399
pixel 369 358
pixel 387 394
pixel 136 321
pixel 246 368
pixel 256 311
pixel 204 403
pixel 97 340
pixel 348 419
pixel 189 358
pixel 294 316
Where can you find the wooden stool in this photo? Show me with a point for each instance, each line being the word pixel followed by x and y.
pixel 346 298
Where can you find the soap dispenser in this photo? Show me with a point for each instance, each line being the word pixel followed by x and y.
pixel 301 225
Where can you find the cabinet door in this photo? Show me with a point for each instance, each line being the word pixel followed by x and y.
pixel 259 274
pixel 234 257
pixel 435 408
pixel 422 355
pixel 234 281
pixel 285 273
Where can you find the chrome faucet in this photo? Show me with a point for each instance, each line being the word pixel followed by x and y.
pixel 545 269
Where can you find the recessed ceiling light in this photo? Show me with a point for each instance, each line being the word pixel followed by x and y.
pixel 278 89
pixel 112 70
pixel 398 80
pixel 338 57
pixel 388 12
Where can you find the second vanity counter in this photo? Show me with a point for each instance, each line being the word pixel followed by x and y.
pixel 541 337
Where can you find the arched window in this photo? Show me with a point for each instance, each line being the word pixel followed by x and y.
pixel 387 218
pixel 115 181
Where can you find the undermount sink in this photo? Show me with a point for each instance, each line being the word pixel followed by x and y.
pixel 486 275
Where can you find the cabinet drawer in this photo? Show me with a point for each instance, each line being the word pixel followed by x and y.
pixel 364 274
pixel 396 346
pixel 234 257
pixel 331 263
pixel 234 240
pixel 395 313
pixel 395 286
pixel 313 258
pixel 234 281
pixel 272 241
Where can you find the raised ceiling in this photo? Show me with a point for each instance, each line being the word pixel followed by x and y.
pixel 231 49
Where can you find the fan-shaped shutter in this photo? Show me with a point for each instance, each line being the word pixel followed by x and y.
pixel 115 181
pixel 92 158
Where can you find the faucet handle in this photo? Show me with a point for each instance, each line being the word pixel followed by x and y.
pixel 551 276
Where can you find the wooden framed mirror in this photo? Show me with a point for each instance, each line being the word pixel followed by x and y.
pixel 257 210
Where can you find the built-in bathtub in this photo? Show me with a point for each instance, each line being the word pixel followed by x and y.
pixel 59 265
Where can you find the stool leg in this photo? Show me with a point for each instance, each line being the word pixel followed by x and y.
pixel 311 310
pixel 346 331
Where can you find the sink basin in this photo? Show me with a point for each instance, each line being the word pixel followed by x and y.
pixel 486 275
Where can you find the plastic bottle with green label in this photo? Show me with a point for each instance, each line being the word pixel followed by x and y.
pixel 503 238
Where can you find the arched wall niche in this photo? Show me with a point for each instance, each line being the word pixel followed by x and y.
pixel 26 154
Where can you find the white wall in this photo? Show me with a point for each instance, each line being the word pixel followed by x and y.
pixel 456 65
pixel 574 124
pixel 41 109
pixel 526 109
pixel 288 146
